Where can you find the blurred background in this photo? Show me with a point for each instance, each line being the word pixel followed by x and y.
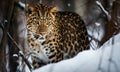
pixel 102 19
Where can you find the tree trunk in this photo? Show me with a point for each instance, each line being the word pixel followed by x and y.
pixel 113 26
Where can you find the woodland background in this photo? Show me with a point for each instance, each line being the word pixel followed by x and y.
pixel 102 22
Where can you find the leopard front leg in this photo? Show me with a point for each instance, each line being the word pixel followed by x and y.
pixel 53 53
pixel 36 62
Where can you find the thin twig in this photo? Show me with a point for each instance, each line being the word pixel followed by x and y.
pixel 103 9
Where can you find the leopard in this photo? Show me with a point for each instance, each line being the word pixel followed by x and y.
pixel 54 35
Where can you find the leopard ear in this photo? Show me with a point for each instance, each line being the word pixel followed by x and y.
pixel 29 9
pixel 54 9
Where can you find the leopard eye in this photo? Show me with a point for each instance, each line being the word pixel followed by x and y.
pixel 36 36
pixel 29 11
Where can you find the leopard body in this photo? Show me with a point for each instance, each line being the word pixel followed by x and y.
pixel 54 35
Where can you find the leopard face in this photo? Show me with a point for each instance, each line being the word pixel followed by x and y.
pixel 40 22
pixel 54 35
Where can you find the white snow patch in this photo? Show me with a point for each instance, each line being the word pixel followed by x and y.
pixel 22 4
pixel 97 24
pixel 97 32
pixel 21 52
pixel 15 55
pixel 69 4
pixel 105 59
pixel 5 21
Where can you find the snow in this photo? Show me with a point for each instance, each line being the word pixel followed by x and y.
pixel 69 4
pixel 22 4
pixel 104 59
pixel 5 21
pixel 96 32
pixel 97 24
pixel 15 55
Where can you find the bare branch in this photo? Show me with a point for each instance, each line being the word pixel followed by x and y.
pixel 103 9
pixel 20 54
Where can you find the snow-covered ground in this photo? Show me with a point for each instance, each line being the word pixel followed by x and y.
pixel 104 59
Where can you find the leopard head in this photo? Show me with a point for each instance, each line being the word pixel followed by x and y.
pixel 40 21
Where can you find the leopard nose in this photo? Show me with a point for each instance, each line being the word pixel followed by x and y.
pixel 42 33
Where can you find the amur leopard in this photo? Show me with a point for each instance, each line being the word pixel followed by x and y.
pixel 54 35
